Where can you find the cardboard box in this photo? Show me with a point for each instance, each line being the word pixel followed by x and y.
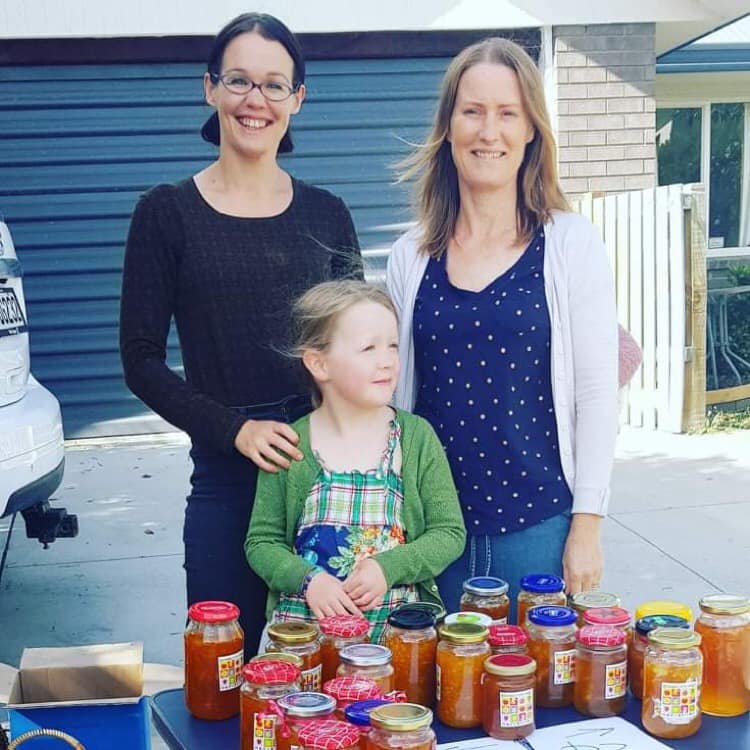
pixel 94 693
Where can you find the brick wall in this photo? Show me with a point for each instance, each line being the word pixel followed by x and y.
pixel 605 106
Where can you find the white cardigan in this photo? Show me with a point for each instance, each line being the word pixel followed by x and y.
pixel 579 287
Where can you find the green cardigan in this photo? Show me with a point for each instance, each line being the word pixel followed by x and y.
pixel 432 518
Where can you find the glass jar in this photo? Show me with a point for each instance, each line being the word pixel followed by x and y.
pixel 663 607
pixel 552 644
pixel 412 639
pixel 475 618
pixel 724 625
pixel 297 710
pixel 401 726
pixel 214 654
pixel 264 683
pixel 508 639
pixel 435 609
pixel 351 689
pixel 584 600
pixel 328 735
pixel 637 647
pixel 359 714
pixel 488 595
pixel 601 671
pixel 508 696
pixel 615 617
pixel 538 590
pixel 368 660
pixel 338 632
pixel 298 661
pixel 459 665
pixel 299 638
pixel 672 673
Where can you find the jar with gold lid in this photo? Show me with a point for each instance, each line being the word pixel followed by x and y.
pixel 401 726
pixel 508 696
pixel 301 639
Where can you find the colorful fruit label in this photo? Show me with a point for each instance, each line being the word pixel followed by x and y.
pixel 564 667
pixel 616 678
pixel 312 679
pixel 679 702
pixel 264 732
pixel 230 671
pixel 437 682
pixel 517 709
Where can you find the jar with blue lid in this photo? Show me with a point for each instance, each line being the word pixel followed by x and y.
pixel 488 595
pixel 638 645
pixel 537 590
pixel 359 714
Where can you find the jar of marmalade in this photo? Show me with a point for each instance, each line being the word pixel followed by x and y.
pixel 329 735
pixel 264 683
pixel 412 639
pixel 637 647
pixel 351 689
pixel 401 726
pixel 538 590
pixel 459 664
pixel 338 632
pixel 488 595
pixel 301 639
pixel 724 625
pixel 601 671
pixel 214 654
pixel 552 644
pixel 615 617
pixel 663 607
pixel 508 639
pixel 297 710
pixel 508 696
pixel 584 600
pixel 368 660
pixel 672 675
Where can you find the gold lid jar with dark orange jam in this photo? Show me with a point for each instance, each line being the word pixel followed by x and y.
pixel 672 676
pixel 584 600
pixel 214 654
pixel 339 631
pixel 265 681
pixel 412 639
pixel 297 710
pixel 724 624
pixel 459 664
pixel 508 639
pixel 615 617
pixel 552 644
pixel 368 660
pixel 601 671
pixel 538 590
pixel 488 595
pixel 301 639
pixel 637 647
pixel 351 689
pixel 508 696
pixel 401 726
pixel 328 735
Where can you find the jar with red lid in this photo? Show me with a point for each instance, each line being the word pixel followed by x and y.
pixel 214 654
pixel 538 590
pixel 637 647
pixel 350 689
pixel 601 671
pixel 329 735
pixel 368 660
pixel 297 710
pixel 401 726
pixel 488 595
pixel 508 639
pixel 300 638
pixel 264 683
pixel 339 631
pixel 412 639
pixel 508 696
pixel 615 617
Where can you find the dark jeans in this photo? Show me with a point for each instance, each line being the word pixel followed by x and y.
pixel 216 520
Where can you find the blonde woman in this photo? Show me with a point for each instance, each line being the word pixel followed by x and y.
pixel 508 332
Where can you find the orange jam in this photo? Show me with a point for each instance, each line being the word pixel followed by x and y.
pixel 338 632
pixel 508 696
pixel 214 644
pixel 487 595
pixel 298 709
pixel 601 671
pixel 368 660
pixel 301 639
pixel 637 647
pixel 401 726
pixel 538 590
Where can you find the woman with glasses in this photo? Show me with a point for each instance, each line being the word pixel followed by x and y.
pixel 508 328
pixel 224 253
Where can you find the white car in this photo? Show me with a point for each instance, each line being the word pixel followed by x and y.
pixel 31 433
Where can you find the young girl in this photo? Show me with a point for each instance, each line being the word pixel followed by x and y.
pixel 370 515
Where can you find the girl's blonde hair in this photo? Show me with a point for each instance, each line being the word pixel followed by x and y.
pixel 437 198
pixel 317 311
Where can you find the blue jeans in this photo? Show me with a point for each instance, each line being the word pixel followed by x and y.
pixel 538 549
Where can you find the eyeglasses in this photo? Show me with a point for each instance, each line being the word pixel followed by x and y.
pixel 274 91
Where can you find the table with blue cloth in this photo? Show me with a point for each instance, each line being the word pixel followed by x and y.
pixel 182 732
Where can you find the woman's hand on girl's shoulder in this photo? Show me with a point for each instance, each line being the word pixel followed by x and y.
pixel 268 444
pixel 325 596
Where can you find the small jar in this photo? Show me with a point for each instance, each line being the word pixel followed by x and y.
pixel 538 590
pixel 359 714
pixel 672 675
pixel 297 710
pixel 351 689
pixel 663 607
pixel 214 654
pixel 488 595
pixel 601 671
pixel 637 647
pixel 401 726
pixel 508 696
pixel 412 639
pixel 508 639
pixel 552 644
pixel 264 683
pixel 339 631
pixel 724 625
pixel 329 735
pixel 368 660
pixel 615 617
pixel 301 639
pixel 584 600
pixel 459 665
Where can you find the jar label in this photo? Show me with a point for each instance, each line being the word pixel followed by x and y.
pixel 437 682
pixel 230 671
pixel 312 679
pixel 565 667
pixel 517 708
pixel 264 731
pixel 679 702
pixel 616 677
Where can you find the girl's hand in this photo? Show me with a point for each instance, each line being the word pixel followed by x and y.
pixel 325 596
pixel 583 561
pixel 261 440
pixel 366 584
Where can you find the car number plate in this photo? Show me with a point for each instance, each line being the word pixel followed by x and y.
pixel 12 320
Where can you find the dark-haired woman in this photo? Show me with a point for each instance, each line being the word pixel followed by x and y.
pixel 224 253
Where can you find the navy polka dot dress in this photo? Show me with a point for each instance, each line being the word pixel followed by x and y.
pixel 483 367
